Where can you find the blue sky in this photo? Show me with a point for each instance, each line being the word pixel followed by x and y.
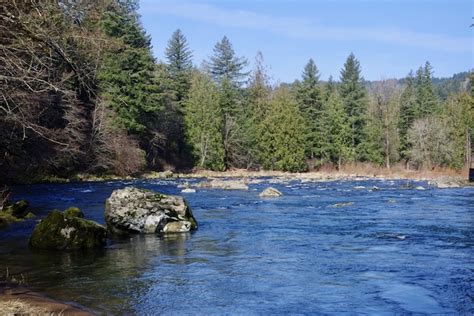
pixel 388 37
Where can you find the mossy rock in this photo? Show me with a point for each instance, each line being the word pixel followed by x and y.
pixel 60 232
pixel 73 212
pixel 18 209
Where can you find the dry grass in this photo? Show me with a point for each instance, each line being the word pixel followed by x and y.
pixel 17 307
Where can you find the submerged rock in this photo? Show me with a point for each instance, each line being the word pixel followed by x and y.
pixel 67 231
pixel 224 184
pixel 133 210
pixel 270 192
pixel 337 205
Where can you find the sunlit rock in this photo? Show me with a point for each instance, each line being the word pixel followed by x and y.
pixel 133 210
pixel 270 192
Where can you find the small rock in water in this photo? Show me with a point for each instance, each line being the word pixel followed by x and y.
pixel 270 192
pixel 420 188
pixel 375 188
pixel 188 190
pixel 392 201
pixel 359 187
pixel 342 204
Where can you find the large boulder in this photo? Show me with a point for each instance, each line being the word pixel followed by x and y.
pixel 66 231
pixel 133 210
pixel 270 192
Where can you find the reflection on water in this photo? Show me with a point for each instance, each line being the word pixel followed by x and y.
pixel 296 253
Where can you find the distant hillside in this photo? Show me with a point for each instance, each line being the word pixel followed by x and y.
pixel 444 86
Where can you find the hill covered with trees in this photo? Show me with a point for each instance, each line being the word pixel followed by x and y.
pixel 82 93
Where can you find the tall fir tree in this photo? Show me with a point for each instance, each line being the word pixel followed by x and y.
pixel 203 123
pixel 179 62
pixel 408 109
pixel 354 96
pixel 228 71
pixel 427 102
pixel 282 137
pixel 309 97
pixel 225 65
pixel 126 78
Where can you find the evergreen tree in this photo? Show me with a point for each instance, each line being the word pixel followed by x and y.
pixel 179 62
pixel 427 102
pixel 203 123
pixel 224 65
pixel 408 109
pixel 282 134
pixel 126 77
pixel 256 109
pixel 354 98
pixel 338 130
pixel 310 100
pixel 329 89
pixel 227 71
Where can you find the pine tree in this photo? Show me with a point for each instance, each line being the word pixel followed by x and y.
pixel 310 101
pixel 282 137
pixel 408 109
pixel 224 65
pixel 338 130
pixel 126 77
pixel 354 98
pixel 179 62
pixel 427 102
pixel 203 123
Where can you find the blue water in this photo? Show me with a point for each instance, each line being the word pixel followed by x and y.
pixel 393 251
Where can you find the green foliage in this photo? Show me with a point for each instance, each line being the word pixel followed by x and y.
pixel 408 108
pixel 426 100
pixel 179 62
pixel 310 100
pixel 282 140
pixel 458 120
pixel 126 76
pixel 338 131
pixel 255 110
pixel 354 98
pixel 203 121
pixel 224 65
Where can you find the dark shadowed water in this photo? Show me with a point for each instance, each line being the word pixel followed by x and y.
pixel 394 250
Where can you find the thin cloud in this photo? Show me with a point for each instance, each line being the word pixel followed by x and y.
pixel 305 29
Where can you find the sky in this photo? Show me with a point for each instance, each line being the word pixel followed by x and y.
pixel 388 37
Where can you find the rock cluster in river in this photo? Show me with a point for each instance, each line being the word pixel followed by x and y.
pixel 133 210
pixel 15 212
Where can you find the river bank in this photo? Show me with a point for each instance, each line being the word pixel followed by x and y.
pixel 347 173
pixel 16 300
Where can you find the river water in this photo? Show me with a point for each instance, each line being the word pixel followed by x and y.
pixel 392 250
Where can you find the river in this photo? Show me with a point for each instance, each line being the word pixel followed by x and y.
pixel 324 247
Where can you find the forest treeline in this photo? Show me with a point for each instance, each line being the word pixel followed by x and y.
pixel 82 93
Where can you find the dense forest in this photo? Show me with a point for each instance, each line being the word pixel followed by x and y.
pixel 82 93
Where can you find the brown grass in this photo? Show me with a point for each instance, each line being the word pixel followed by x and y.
pixel 18 307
